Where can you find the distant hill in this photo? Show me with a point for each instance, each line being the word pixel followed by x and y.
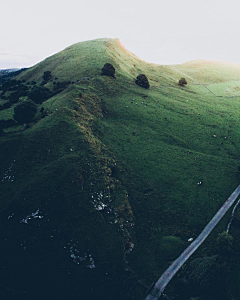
pixel 4 71
pixel 211 71
pixel 7 74
pixel 102 190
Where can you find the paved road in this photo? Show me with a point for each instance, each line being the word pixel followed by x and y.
pixel 162 282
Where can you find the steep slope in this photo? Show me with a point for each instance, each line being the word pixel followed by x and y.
pixel 103 191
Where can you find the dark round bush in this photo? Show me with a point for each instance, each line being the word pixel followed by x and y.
pixel 25 111
pixel 182 82
pixel 142 81
pixel 108 70
pixel 47 76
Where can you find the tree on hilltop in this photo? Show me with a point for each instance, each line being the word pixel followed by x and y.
pixel 182 82
pixel 108 70
pixel 142 81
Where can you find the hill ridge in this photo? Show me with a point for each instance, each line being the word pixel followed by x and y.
pixel 107 173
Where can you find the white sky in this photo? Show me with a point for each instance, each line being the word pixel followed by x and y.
pixel 158 31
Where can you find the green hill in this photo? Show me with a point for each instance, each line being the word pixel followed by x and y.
pixel 101 191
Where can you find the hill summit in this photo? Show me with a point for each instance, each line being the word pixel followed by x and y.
pixel 99 190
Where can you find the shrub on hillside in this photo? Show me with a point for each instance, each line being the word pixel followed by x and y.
pixel 25 111
pixel 108 70
pixel 182 82
pixel 39 94
pixel 47 76
pixel 142 81
pixel 43 112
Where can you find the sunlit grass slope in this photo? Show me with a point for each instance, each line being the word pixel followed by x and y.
pixel 210 71
pixel 119 177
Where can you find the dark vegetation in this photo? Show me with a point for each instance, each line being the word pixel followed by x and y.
pixel 25 111
pixel 201 275
pixel 211 268
pixel 7 123
pixel 47 76
pixel 12 91
pixel 15 91
pixel 108 70
pixel 2 133
pixel 224 243
pixel 142 81
pixel 182 82
pixel 39 94
pixel 60 86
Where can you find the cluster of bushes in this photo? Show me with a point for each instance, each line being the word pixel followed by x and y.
pixel 14 86
pixel 12 90
pixel 39 94
pixel 15 90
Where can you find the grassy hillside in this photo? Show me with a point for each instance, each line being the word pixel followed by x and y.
pixel 101 192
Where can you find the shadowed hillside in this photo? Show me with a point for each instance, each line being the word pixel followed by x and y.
pixel 102 189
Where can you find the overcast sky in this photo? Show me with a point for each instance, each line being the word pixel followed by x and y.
pixel 158 31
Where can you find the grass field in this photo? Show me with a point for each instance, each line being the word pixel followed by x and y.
pixel 114 171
